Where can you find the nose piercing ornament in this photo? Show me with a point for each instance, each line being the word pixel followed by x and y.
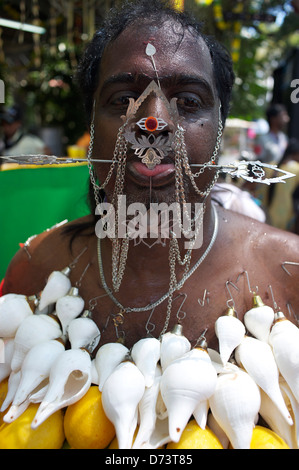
pixel 151 124
pixel 150 148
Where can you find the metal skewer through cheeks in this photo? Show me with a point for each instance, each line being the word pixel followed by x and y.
pixel 252 171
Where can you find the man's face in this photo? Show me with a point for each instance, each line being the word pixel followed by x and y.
pixel 9 129
pixel 185 72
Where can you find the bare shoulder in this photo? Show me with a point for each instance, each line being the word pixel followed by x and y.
pixel 43 253
pixel 260 238
pixel 271 256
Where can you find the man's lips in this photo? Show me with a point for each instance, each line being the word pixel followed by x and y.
pixel 161 174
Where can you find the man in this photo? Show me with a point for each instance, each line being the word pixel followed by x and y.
pixel 197 74
pixel 274 143
pixel 157 94
pixel 16 140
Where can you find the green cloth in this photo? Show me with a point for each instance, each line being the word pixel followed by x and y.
pixel 35 199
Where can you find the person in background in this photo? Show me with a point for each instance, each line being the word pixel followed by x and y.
pixel 281 207
pixel 234 198
pixel 16 141
pixel 271 146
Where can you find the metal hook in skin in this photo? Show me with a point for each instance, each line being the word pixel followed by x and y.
pixel 205 297
pixel 201 341
pixel 273 299
pixel 292 313
pixel 181 317
pixel 291 263
pixel 248 282
pixel 150 324
pixel 231 297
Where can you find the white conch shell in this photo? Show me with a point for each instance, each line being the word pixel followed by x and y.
pixel 14 308
pixel 69 380
pixel 201 413
pixel 235 405
pixel 258 320
pixel 217 430
pixel 161 410
pixel 173 345
pixel 69 307
pixel 293 406
pixel 58 285
pixel 108 357
pixel 276 420
pixel 159 437
pixel 5 367
pixel 83 332
pixel 184 384
pixel 17 410
pixel 94 373
pixel 257 359
pixel 33 330
pixel 122 391
pixel 12 386
pixel 230 331
pixel 36 368
pixel 146 354
pixel 147 411
pixel 284 339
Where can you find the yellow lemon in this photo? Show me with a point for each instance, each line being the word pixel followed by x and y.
pixel 19 435
pixel 264 438
pixel 85 424
pixel 3 393
pixel 193 437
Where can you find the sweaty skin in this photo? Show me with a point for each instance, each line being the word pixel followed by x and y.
pixel 243 244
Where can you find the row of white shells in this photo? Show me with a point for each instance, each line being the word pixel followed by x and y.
pixel 159 384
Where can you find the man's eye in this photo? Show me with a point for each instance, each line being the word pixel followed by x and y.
pixel 188 103
pixel 122 101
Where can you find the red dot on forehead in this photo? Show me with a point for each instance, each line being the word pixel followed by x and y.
pixel 151 123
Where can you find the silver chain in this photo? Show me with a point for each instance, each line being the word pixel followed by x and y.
pixel 173 283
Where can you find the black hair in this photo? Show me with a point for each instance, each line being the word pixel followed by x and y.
pixel 146 12
pixel 274 110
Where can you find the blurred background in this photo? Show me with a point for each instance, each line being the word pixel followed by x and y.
pixel 40 45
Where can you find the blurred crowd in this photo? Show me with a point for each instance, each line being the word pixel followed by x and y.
pixel 276 204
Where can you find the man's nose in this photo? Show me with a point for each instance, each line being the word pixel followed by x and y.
pixel 154 117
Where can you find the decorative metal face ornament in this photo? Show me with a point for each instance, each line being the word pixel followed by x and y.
pixel 150 146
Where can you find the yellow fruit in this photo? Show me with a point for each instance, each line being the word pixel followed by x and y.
pixel 85 424
pixel 193 437
pixel 19 435
pixel 264 438
pixel 3 393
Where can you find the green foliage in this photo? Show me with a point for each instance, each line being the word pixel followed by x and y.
pixel 52 95
pixel 263 45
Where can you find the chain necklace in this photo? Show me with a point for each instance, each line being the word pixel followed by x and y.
pixel 171 289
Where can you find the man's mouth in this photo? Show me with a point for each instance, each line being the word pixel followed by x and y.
pixel 160 175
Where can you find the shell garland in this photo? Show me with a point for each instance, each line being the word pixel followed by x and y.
pixel 158 385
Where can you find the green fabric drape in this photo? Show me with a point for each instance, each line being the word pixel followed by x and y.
pixel 35 199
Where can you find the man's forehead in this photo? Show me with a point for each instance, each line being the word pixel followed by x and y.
pixel 176 48
pixel 169 36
